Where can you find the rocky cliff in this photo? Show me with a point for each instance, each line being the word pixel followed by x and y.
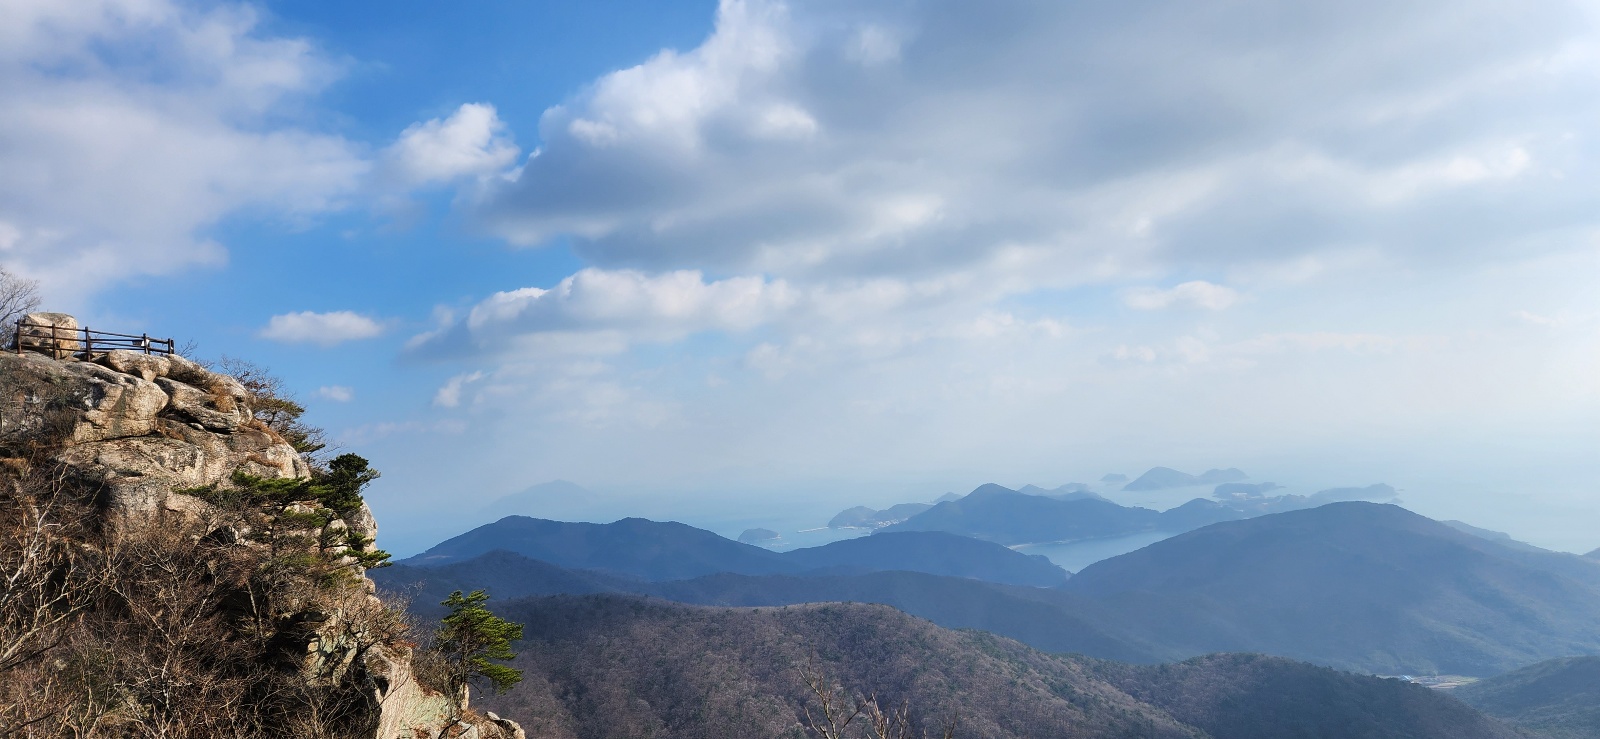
pixel 153 451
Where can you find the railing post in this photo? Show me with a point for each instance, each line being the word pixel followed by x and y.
pixel 55 342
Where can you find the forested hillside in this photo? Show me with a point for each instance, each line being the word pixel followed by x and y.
pixel 1559 698
pixel 1360 586
pixel 611 666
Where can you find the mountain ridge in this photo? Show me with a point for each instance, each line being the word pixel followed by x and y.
pixel 621 666
pixel 1353 578
pixel 656 550
pixel 1360 586
pixel 1164 478
pixel 933 552
pixel 1006 516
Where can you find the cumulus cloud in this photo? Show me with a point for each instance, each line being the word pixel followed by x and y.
pixel 631 305
pixel 336 393
pixel 472 142
pixel 1047 144
pixel 322 329
pixel 1196 293
pixel 110 169
pixel 888 175
pixel 598 311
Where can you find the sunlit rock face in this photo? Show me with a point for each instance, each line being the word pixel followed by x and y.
pixel 54 334
pixel 137 433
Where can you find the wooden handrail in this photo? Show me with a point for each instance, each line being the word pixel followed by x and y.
pixel 87 339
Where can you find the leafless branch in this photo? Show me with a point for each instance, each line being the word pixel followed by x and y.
pixel 18 297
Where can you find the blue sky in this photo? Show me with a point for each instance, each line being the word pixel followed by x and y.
pixel 720 262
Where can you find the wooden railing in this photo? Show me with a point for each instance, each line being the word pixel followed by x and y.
pixel 83 342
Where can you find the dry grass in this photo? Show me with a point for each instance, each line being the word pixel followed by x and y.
pixel 15 466
pixel 168 633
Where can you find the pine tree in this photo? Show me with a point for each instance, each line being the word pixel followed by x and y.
pixel 470 637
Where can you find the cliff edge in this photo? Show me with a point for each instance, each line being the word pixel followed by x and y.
pixel 175 565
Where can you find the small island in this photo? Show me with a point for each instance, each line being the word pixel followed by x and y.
pixel 757 536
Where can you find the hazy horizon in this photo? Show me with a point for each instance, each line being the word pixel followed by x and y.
pixel 731 511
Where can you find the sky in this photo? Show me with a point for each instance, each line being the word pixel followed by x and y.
pixel 750 260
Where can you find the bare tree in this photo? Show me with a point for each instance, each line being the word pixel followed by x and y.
pixel 18 297
pixel 276 408
pixel 44 580
pixel 837 710
pixel 47 583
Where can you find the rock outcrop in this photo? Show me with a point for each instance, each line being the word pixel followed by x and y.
pixel 54 334
pixel 131 430
pixel 136 437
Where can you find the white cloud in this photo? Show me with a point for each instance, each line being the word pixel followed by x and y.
pixel 472 142
pixel 336 393
pixel 1042 147
pixel 873 46
pixel 449 394
pixel 669 100
pixel 111 169
pixel 784 121
pixel 323 329
pixel 1196 293
pixel 629 306
pixel 600 311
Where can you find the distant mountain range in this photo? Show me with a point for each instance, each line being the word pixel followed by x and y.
pixel 620 666
pixel 864 517
pixel 1163 478
pixel 1379 493
pixel 1560 698
pixel 1357 585
pixel 637 547
pixel 932 552
pixel 1033 515
pixel 1007 516
pixel 1069 491
pixel 1360 586
pixel 1499 537
pixel 651 550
